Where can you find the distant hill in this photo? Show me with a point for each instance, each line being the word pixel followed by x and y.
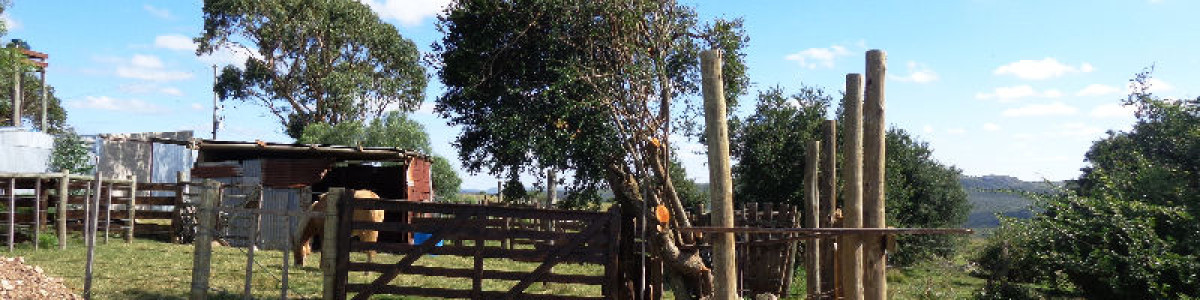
pixel 990 195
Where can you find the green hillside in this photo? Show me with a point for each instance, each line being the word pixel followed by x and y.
pixel 992 195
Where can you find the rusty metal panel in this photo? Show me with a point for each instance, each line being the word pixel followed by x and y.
pixel 419 180
pixel 293 173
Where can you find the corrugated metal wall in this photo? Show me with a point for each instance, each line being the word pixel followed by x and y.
pixel 156 162
pixel 236 228
pixel 25 151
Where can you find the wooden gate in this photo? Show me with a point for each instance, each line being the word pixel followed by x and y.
pixel 482 226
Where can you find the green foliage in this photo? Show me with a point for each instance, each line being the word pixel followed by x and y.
pixel 771 145
pixel 71 154
pixel 446 183
pixel 531 89
pixel 689 192
pixel 323 61
pixel 1129 230
pixel 921 193
pixel 31 88
pixel 392 130
pixel 514 190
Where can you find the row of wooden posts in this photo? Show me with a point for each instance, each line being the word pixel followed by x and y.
pixel 861 257
pixel 96 190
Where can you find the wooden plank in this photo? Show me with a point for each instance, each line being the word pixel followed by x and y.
pixel 493 234
pixel 559 253
pixel 157 200
pixel 491 211
pixel 582 255
pixel 451 293
pixel 470 273
pixel 122 214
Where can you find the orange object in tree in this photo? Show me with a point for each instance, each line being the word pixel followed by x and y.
pixel 662 213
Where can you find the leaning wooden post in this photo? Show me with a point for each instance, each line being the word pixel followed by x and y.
pixel 874 256
pixel 206 215
pixel 850 246
pixel 329 243
pixel 812 195
pixel 64 187
pixel 724 254
pixel 256 221
pixel 828 205
pixel 130 212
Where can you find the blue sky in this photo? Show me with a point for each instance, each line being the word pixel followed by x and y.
pixel 1017 88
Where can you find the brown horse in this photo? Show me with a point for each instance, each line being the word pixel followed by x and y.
pixel 314 226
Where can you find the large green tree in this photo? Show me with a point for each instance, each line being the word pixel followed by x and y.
pixel 586 86
pixel 313 61
pixel 771 148
pixel 1129 229
pixel 394 129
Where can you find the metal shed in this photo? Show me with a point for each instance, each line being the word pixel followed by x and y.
pixel 293 175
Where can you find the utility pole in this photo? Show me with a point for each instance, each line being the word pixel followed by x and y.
pixel 216 106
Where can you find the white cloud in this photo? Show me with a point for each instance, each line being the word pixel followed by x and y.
pixel 170 91
pixel 991 127
pixel 150 68
pixel 198 107
pixel 1012 93
pixel 1052 109
pixel 1096 89
pixel 956 131
pixel 1076 129
pixel 9 23
pixel 918 73
pixel 114 104
pixel 408 12
pixel 1159 86
pixel 1113 110
pixel 1040 69
pixel 157 12
pixel 818 57
pixel 175 42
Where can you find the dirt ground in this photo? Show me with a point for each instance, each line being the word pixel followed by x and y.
pixel 21 281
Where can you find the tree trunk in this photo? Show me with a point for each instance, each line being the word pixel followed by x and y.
pixel 688 265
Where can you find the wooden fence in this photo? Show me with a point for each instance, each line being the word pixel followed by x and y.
pixel 40 202
pixel 484 227
pixel 766 260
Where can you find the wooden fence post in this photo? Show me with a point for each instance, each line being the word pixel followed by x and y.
pixel 256 221
pixel 107 211
pixel 828 205
pixel 201 258
pixel 874 143
pixel 130 211
pixel 64 187
pixel 182 188
pixel 329 243
pixel 812 195
pixel 724 254
pixel 37 211
pixel 12 212
pixel 89 234
pixel 850 246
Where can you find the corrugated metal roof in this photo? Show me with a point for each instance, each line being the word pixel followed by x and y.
pixel 24 151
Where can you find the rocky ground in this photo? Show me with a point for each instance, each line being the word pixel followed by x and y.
pixel 21 281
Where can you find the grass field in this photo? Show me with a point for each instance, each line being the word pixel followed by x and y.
pixel 148 269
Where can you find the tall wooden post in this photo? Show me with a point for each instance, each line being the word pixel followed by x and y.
pixel 724 254
pixel 812 195
pixel 201 258
pixel 874 256
pixel 725 270
pixel 107 211
pixel 44 125
pixel 16 95
pixel 64 188
pixel 329 242
pixel 828 204
pixel 130 211
pixel 850 246
pixel 256 220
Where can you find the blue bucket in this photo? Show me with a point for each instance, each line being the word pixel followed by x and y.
pixel 421 237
